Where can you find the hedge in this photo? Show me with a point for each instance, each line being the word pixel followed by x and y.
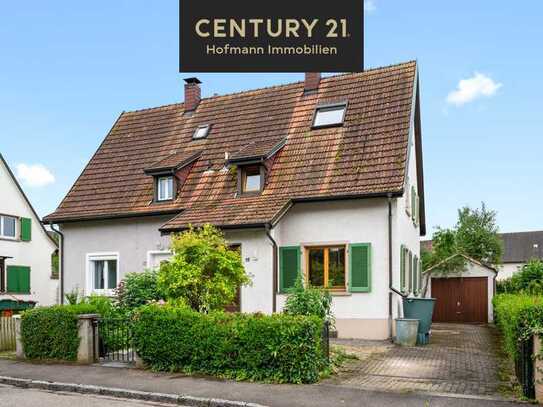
pixel 518 316
pixel 279 348
pixel 51 332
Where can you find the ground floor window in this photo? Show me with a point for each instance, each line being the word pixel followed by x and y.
pixel 326 266
pixel 103 272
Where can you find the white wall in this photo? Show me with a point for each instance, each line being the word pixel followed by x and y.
pixel 506 270
pixel 35 254
pixel 474 270
pixel 132 239
pixel 344 222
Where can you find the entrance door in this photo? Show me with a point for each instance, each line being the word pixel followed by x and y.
pixel 235 306
pixel 461 300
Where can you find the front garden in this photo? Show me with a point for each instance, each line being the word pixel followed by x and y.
pixel 177 321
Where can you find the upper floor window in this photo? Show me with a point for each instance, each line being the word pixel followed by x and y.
pixel 251 179
pixel 201 132
pixel 8 226
pixel 165 188
pixel 329 115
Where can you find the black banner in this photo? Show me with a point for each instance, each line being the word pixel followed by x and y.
pixel 271 36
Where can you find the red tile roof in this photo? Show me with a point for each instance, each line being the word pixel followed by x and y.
pixel 365 156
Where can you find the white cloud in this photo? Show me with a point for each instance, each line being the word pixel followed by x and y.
pixel 468 90
pixel 34 175
pixel 369 6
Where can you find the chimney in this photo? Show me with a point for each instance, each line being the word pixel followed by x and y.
pixel 192 94
pixel 312 80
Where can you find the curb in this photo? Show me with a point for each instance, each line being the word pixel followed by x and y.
pixel 178 399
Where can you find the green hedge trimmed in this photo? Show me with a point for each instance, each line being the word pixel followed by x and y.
pixel 279 348
pixel 518 316
pixel 51 332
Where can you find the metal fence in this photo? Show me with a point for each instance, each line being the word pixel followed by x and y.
pixel 524 367
pixel 114 340
pixel 7 334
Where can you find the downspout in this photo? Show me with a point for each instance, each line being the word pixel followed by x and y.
pixel 274 267
pixel 60 261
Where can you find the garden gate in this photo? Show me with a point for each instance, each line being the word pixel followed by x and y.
pixel 114 336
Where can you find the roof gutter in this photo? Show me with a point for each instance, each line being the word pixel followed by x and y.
pixel 60 261
pixel 269 227
pixel 49 221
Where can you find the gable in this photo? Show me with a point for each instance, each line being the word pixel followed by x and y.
pixel 364 157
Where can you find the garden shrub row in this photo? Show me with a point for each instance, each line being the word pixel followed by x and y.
pixel 279 348
pixel 52 332
pixel 518 316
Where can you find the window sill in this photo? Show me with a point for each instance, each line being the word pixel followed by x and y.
pixel 9 239
pixel 340 293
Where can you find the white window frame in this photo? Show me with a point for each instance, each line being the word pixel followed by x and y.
pixel 151 253
pixel 2 236
pixel 331 106
pixel 90 272
pixel 159 190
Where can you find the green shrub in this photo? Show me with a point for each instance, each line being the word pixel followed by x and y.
pixel 528 280
pixel 518 316
pixel 279 348
pixel 51 332
pixel 309 300
pixel 138 289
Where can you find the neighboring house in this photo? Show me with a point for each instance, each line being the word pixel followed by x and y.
pixel 464 297
pixel 25 250
pixel 321 177
pixel 518 249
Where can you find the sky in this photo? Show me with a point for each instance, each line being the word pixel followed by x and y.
pixel 69 68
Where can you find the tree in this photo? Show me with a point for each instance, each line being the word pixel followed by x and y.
pixel 474 235
pixel 204 272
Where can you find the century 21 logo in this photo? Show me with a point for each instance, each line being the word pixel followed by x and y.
pixel 255 27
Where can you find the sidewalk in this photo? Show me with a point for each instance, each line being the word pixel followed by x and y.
pixel 265 394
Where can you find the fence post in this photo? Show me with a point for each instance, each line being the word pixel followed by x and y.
pixel 19 351
pixel 85 353
pixel 538 369
pixel 326 339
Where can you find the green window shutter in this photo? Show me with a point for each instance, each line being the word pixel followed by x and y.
pixel 26 229
pixel 415 275
pixel 410 288
pixel 413 203
pixel 289 266
pixel 360 267
pixel 18 279
pixel 402 267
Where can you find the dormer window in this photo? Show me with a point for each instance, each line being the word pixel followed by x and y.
pixel 165 188
pixel 201 132
pixel 329 115
pixel 251 179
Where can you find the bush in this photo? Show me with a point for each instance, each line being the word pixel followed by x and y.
pixel 204 272
pixel 518 316
pixel 138 289
pixel 51 332
pixel 280 348
pixel 309 301
pixel 529 280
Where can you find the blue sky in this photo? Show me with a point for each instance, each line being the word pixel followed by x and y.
pixel 68 68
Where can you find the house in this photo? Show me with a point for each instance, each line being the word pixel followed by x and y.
pixel 464 297
pixel 518 249
pixel 26 275
pixel 321 177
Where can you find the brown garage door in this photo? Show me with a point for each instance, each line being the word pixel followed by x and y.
pixel 460 299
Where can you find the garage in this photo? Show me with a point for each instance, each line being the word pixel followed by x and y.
pixel 465 297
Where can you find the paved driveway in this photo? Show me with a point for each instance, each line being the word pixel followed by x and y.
pixel 460 359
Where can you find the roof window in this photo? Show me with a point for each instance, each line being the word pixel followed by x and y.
pixel 329 115
pixel 201 132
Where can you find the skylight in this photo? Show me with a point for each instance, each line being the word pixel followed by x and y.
pixel 329 115
pixel 201 132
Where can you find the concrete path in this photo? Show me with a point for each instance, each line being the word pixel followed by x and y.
pixel 265 394
pixel 16 397
pixel 460 359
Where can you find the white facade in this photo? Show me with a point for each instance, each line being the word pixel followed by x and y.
pixel 507 270
pixel 35 253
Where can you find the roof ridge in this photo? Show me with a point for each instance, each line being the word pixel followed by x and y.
pixel 248 91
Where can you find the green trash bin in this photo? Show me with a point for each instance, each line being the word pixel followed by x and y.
pixel 421 309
